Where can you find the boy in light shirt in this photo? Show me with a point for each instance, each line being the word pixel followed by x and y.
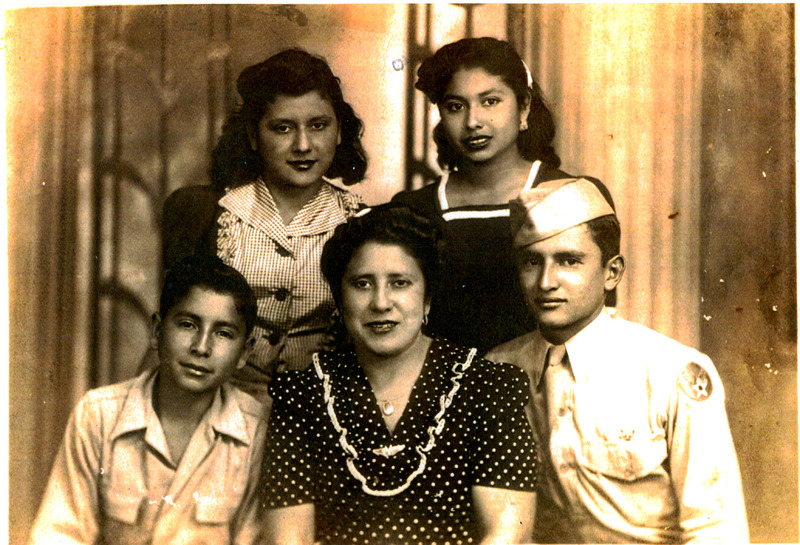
pixel 171 456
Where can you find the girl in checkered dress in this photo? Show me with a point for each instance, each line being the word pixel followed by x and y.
pixel 271 206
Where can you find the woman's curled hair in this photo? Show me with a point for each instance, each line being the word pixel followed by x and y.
pixel 498 58
pixel 390 223
pixel 292 72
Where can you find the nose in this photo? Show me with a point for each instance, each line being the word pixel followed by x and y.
pixel 548 277
pixel 202 344
pixel 474 118
pixel 380 300
pixel 301 141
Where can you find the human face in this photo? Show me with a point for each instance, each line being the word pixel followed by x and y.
pixel 564 281
pixel 481 116
pixel 297 139
pixel 383 301
pixel 201 341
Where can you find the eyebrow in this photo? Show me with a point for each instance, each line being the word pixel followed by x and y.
pixel 220 323
pixel 321 117
pixel 490 91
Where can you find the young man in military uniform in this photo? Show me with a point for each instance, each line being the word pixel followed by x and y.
pixel 630 424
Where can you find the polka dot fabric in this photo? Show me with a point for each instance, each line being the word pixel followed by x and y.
pixel 486 440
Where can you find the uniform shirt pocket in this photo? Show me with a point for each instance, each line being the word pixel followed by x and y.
pixel 625 460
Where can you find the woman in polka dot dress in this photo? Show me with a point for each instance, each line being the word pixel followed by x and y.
pixel 396 437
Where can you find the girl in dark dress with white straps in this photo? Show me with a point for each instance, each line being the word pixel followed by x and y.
pixel 493 141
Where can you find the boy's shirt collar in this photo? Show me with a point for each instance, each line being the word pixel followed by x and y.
pixel 137 413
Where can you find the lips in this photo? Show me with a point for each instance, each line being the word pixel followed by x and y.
pixel 550 302
pixel 302 165
pixel 383 326
pixel 195 369
pixel 477 142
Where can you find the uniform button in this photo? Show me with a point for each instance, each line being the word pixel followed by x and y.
pixel 281 294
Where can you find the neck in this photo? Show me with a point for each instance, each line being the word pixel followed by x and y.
pixel 501 170
pixel 289 199
pixel 560 335
pixel 175 403
pixel 384 372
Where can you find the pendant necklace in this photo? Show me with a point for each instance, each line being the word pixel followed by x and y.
pixel 387 408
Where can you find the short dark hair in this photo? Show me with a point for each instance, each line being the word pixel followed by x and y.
pixel 391 223
pixel 210 272
pixel 292 72
pixel 606 233
pixel 497 57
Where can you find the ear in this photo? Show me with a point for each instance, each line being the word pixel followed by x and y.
pixel 525 107
pixel 155 330
pixel 339 136
pixel 614 270
pixel 427 306
pixel 249 343
pixel 252 136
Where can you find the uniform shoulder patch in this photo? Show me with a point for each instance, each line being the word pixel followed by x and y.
pixel 695 382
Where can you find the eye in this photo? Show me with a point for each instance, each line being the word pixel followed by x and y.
pixel 529 261
pixel 185 324
pixel 319 125
pixel 360 284
pixel 453 107
pixel 571 261
pixel 281 128
pixel 491 101
pixel 401 283
pixel 226 334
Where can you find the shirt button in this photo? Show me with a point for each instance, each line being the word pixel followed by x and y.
pixel 274 337
pixel 281 294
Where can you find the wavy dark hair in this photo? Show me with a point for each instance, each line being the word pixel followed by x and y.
pixel 210 272
pixel 390 223
pixel 292 72
pixel 498 58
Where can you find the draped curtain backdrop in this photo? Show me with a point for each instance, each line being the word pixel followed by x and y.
pixel 686 112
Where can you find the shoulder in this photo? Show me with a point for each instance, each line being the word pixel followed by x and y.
pixel 193 197
pixel 250 407
pixel 481 374
pixel 668 361
pixel 101 407
pixel 348 202
pixel 294 387
pixel 422 200
pixel 515 350
pixel 111 394
pixel 547 173
pixel 640 338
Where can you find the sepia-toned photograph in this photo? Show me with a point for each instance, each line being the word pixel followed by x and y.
pixel 402 273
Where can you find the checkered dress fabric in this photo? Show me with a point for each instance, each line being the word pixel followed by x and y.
pixel 281 263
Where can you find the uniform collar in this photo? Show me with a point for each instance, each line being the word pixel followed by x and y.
pixel 253 204
pixel 224 416
pixel 581 347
